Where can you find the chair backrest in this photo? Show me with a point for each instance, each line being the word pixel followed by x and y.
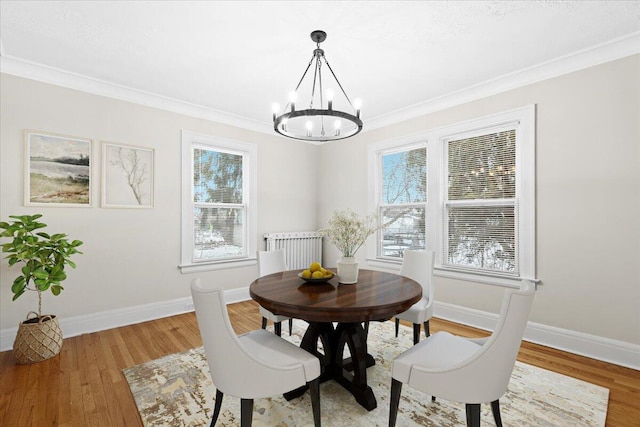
pixel 229 363
pixel 484 377
pixel 271 262
pixel 418 265
pixel 501 349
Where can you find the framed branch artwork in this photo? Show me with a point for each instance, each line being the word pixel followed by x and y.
pixel 127 176
pixel 57 170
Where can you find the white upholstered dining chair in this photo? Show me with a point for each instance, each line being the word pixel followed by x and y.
pixel 254 365
pixel 418 265
pixel 472 371
pixel 272 262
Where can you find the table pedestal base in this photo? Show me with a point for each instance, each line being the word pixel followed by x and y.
pixel 351 372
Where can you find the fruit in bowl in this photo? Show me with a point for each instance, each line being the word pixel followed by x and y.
pixel 316 271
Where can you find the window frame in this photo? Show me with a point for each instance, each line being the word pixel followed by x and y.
pixel 436 140
pixel 249 153
pixel 380 206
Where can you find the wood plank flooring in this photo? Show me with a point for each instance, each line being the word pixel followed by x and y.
pixel 84 385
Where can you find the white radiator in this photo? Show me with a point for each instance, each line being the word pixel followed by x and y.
pixel 300 248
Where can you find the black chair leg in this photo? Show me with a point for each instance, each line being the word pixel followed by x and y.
pixel 495 409
pixel 416 333
pixel 396 389
pixel 246 412
pixel 278 328
pixel 473 414
pixel 290 326
pixel 216 410
pixel 397 326
pixel 426 329
pixel 264 323
pixel 314 389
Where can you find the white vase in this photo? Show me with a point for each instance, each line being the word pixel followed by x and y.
pixel 347 270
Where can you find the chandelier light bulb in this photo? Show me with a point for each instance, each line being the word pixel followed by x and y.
pixel 275 107
pixel 293 97
pixel 309 127
pixel 329 94
pixel 337 125
pixel 357 104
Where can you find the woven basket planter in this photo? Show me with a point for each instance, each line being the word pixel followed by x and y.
pixel 38 339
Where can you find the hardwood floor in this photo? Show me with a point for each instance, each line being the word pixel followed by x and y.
pixel 84 385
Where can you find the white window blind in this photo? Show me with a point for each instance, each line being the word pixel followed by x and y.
pixel 219 209
pixel 481 205
pixel 472 202
pixel 219 187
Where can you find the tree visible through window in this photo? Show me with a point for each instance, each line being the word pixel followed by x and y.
pixel 481 204
pixel 404 197
pixel 465 191
pixel 219 209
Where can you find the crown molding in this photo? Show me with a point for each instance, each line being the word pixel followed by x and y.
pixel 604 52
pixel 42 73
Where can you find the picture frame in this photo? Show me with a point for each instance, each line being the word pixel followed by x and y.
pixel 128 176
pixel 58 170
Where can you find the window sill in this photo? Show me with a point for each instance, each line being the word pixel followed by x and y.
pixel 217 265
pixel 387 264
pixel 488 279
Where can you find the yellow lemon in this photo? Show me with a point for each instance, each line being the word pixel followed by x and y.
pixel 324 270
pixel 315 266
pixel 306 274
pixel 316 275
pixel 328 274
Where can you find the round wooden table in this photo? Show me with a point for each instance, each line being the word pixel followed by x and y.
pixel 376 296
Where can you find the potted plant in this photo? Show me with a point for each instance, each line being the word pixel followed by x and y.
pixel 43 258
pixel 348 232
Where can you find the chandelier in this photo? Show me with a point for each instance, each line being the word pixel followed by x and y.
pixel 325 119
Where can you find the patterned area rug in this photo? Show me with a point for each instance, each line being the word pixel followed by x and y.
pixel 176 390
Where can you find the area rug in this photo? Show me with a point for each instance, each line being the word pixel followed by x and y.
pixel 176 390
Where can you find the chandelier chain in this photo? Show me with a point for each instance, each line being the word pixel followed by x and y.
pixel 338 81
pixel 319 75
pixel 302 78
pixel 316 71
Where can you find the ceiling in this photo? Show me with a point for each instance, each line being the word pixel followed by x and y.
pixel 232 59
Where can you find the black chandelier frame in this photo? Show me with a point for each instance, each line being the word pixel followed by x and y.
pixel 280 122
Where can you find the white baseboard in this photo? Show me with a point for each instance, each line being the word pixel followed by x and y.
pixel 599 348
pixel 85 324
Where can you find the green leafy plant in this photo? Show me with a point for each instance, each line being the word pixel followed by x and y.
pixel 43 256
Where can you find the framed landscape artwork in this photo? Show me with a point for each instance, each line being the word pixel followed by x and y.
pixel 58 170
pixel 127 176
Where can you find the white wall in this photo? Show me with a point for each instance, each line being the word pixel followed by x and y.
pixel 131 256
pixel 588 197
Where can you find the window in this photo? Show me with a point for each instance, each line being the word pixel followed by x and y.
pixel 218 202
pixel 480 204
pixel 403 201
pixel 478 211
